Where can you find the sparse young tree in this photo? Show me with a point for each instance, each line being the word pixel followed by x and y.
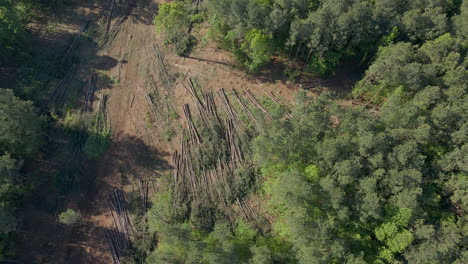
pixel 69 217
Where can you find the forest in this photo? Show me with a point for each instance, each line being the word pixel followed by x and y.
pixel 377 174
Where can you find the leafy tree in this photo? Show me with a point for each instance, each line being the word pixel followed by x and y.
pixel 403 69
pixel 174 20
pixel 258 49
pixel 13 36
pixel 20 127
pixel 424 24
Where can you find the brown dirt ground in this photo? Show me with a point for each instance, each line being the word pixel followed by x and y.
pixel 136 149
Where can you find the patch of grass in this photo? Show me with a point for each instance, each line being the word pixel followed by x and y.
pixel 173 114
pixel 148 121
pixel 168 134
pixel 115 81
pixel 52 27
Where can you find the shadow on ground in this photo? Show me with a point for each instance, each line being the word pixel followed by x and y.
pixel 136 160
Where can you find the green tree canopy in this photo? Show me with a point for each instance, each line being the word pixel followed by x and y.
pixel 20 127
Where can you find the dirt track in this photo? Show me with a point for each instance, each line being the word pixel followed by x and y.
pixel 134 149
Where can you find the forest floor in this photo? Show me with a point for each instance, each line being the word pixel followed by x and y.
pixel 137 149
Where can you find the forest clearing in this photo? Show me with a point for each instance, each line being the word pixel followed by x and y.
pixel 233 131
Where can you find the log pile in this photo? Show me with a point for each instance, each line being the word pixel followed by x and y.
pixel 259 106
pixel 199 177
pixel 192 130
pixel 208 182
pixel 61 89
pixel 154 111
pixel 108 38
pixel 109 16
pixel 89 93
pixel 75 41
pixel 163 73
pixel 120 214
pixel 244 106
pixel 118 237
pixel 101 117
pixel 234 148
pixel 284 105
pixel 226 104
pixel 249 214
pixel 116 244
pixel 210 106
pixel 188 85
pixel 144 193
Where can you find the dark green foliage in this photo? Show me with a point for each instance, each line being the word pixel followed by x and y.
pixel 374 181
pixel 404 69
pixel 20 137
pixel 20 127
pixel 96 145
pixel 14 39
pixel 13 36
pixel 324 33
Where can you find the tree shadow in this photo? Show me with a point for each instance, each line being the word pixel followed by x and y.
pixel 207 60
pixel 272 73
pixel 99 240
pixel 133 158
pixel 342 81
pixel 142 12
pixel 105 62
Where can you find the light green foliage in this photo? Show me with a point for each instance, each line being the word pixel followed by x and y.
pixel 171 17
pixel 69 217
pixel 173 20
pixel 258 48
pixel 312 173
pixel 400 241
pixel 385 231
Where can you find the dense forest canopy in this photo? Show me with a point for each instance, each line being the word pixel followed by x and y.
pixel 324 33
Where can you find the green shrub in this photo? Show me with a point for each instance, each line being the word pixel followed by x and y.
pixel 69 217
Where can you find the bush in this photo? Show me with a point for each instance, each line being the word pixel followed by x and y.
pixel 173 20
pixel 184 45
pixel 69 217
pixel 96 145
